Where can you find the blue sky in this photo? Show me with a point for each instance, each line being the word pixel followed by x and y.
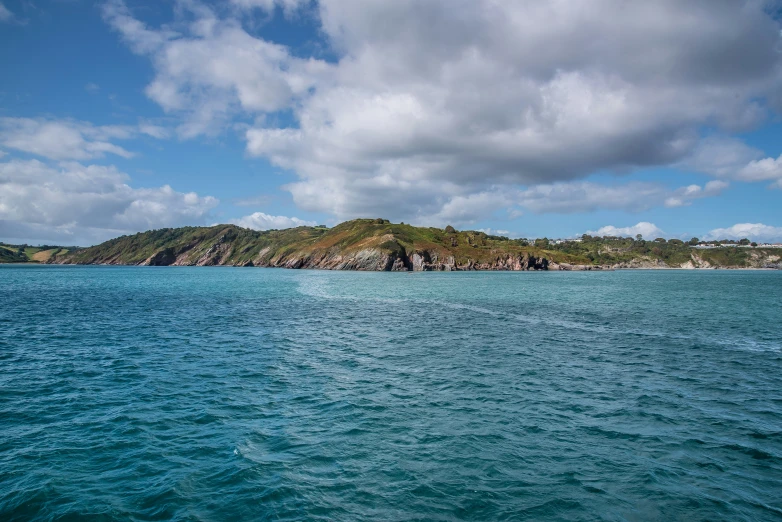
pixel 528 119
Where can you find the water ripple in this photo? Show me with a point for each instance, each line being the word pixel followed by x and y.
pixel 204 394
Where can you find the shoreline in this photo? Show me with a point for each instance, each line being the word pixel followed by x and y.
pixel 596 268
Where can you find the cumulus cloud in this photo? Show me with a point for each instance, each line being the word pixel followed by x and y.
pixel 71 139
pixel 767 169
pixel 261 221
pixel 732 159
pixel 720 156
pixel 646 229
pixel 755 231
pixel 438 203
pixel 62 139
pixel 435 104
pixel 684 196
pixel 78 204
pixel 213 69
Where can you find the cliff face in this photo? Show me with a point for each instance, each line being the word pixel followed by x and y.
pixel 377 245
pixel 417 261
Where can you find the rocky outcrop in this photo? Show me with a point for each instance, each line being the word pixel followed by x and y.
pixel 380 260
pixel 163 257
pixel 427 262
pixel 645 263
pixel 369 259
pixel 765 261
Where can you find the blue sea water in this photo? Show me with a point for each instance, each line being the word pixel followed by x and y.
pixel 141 393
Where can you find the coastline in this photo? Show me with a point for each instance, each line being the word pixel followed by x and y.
pixel 489 270
pixel 378 245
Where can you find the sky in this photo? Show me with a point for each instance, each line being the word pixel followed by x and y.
pixel 522 118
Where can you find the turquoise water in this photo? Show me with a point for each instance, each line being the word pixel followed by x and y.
pixel 146 393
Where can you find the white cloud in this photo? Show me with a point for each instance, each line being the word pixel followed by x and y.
pixel 92 88
pixel 62 139
pixel 261 221
pixel 214 69
pixel 5 14
pixel 646 229
pixel 478 94
pixel 732 159
pixel 684 196
pixel 70 139
pixel 720 156
pixel 755 231
pixel 134 32
pixel 441 108
pixel 437 204
pixel 767 169
pixel 79 204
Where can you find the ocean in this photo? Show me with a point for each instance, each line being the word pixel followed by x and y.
pixel 143 393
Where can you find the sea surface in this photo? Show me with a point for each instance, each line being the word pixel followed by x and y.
pixel 143 393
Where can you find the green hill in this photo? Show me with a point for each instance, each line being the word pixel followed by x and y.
pixel 362 244
pixel 377 244
pixel 30 254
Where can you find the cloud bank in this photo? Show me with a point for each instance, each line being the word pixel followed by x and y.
pixel 429 106
pixel 82 205
pixel 63 139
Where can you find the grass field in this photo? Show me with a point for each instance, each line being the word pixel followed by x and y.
pixel 43 256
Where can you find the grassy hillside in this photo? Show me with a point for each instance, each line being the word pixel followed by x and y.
pixel 672 253
pixel 11 254
pixel 377 244
pixel 229 244
pixel 28 254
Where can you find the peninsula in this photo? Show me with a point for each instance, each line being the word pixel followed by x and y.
pixel 379 245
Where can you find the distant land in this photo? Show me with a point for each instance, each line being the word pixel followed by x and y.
pixel 379 245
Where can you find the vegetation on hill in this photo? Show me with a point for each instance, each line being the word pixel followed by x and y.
pixel 674 252
pixel 377 244
pixel 357 244
pixel 30 254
